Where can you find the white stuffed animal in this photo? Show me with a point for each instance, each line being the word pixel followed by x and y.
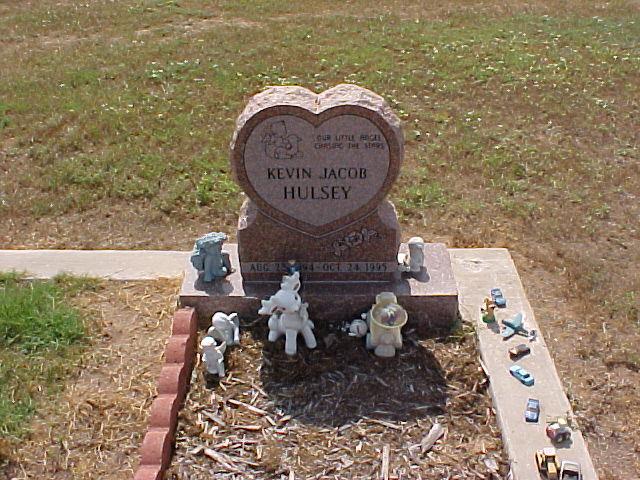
pixel 289 316
pixel 225 327
pixel 213 355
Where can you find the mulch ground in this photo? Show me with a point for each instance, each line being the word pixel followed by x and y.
pixel 340 412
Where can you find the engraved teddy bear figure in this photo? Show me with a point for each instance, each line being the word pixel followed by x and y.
pixel 226 326
pixel 213 355
pixel 386 318
pixel 279 145
pixel 289 315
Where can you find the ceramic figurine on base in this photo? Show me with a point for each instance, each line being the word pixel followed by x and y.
pixel 385 319
pixel 289 315
pixel 416 253
pixel 227 325
pixel 414 260
pixel 213 355
pixel 488 314
pixel 207 255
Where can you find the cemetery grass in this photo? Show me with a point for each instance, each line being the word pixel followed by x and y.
pixel 40 336
pixel 521 121
pixel 91 425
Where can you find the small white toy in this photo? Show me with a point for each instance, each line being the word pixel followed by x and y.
pixel 227 326
pixel 385 319
pixel 289 315
pixel 413 261
pixel 416 253
pixel 213 355
pixel 358 328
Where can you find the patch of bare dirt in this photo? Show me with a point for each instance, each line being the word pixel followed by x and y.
pixel 117 225
pixel 603 393
pixel 94 427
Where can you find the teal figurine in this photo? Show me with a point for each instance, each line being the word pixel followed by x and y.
pixel 207 256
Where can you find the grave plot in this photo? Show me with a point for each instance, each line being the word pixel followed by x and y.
pixel 316 169
pixel 340 412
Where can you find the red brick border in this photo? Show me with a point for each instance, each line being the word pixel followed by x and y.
pixel 157 446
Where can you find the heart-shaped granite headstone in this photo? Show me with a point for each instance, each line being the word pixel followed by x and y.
pixel 317 162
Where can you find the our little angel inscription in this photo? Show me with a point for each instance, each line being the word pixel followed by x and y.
pixel 317 167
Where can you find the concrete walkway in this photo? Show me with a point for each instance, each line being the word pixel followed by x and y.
pixel 109 264
pixel 476 271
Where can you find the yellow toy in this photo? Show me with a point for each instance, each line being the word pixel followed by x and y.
pixel 385 320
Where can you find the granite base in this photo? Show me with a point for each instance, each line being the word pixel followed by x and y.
pixel 430 296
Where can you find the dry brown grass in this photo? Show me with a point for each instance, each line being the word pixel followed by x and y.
pixel 94 427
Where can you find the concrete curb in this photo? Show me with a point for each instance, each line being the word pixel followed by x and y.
pixel 477 271
pixel 109 264
pixel 157 445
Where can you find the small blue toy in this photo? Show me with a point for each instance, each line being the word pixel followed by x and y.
pixel 514 325
pixel 498 298
pixel 207 255
pixel 522 375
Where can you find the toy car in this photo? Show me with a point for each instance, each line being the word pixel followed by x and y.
pixel 522 375
pixel 498 298
pixel 519 351
pixel 558 430
pixel 547 462
pixel 570 471
pixel 532 410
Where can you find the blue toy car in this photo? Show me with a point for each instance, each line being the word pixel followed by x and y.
pixel 497 298
pixel 522 375
pixel 532 411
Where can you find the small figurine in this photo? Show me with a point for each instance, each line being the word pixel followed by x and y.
pixel 207 255
pixel 289 316
pixel 488 315
pixel 414 260
pixel 228 327
pixel 385 320
pixel 416 253
pixel 358 327
pixel 213 355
